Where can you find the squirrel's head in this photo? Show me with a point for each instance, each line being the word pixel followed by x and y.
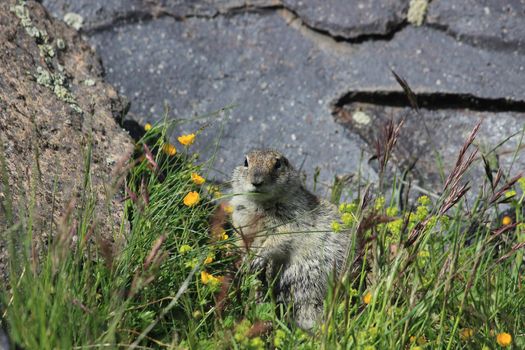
pixel 266 174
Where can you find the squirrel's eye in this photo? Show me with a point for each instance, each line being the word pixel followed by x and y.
pixel 277 163
pixel 245 162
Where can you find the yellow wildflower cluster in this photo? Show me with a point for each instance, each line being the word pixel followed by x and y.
pixel 209 259
pixel 367 298
pixel 197 179
pixel 147 127
pixel 228 209
pixel 507 220
pixel 191 199
pixel 504 339
pixel 348 207
pixel 184 248
pixel 379 203
pixel 187 139
pixel 209 279
pixel 336 226
pixel 169 149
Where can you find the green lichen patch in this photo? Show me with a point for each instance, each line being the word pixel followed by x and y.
pixel 417 11
pixel 57 82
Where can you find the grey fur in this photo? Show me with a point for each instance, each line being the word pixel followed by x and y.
pixel 289 230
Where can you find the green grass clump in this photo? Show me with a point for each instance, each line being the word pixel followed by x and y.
pixel 435 275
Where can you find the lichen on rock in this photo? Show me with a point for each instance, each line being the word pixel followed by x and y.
pixel 43 143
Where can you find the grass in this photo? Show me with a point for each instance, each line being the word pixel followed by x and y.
pixel 439 274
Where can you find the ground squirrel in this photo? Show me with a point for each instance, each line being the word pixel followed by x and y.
pixel 289 230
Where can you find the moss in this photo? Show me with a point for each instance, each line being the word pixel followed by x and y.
pixel 416 12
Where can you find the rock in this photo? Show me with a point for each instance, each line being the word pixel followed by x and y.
pixel 102 14
pixel 429 142
pixel 492 24
pixel 288 67
pixel 48 116
pixel 435 64
pixel 4 340
pixel 281 89
pixel 351 20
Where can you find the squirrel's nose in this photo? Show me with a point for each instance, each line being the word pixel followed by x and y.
pixel 257 182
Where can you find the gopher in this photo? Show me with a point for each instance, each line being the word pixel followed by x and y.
pixel 288 229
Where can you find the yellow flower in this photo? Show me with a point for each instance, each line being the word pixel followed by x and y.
pixel 466 333
pixel 208 260
pixel 507 220
pixel 207 278
pixel 510 193
pixel 147 127
pixel 224 236
pixel 336 226
pixel 197 179
pixel 421 340
pixel 228 209
pixel 504 339
pixel 184 248
pixel 191 199
pixel 424 200
pixel 367 298
pixel 186 140
pixel 169 149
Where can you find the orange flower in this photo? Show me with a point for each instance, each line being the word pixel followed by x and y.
pixel 169 149
pixel 191 199
pixel 367 298
pixel 197 179
pixel 504 339
pixel 186 140
pixel 147 127
pixel 507 220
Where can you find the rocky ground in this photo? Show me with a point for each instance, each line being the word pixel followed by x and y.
pixel 298 71
pixel 53 104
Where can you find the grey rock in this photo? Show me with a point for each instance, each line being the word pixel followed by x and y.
pixel 435 63
pixel 429 142
pixel 4 340
pixel 351 19
pixel 493 24
pixel 287 74
pixel 102 14
pixel 281 89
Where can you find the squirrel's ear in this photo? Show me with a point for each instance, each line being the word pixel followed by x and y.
pixel 285 161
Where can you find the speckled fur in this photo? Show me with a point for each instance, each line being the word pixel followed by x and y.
pixel 289 230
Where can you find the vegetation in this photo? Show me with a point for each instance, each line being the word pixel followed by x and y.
pixel 438 274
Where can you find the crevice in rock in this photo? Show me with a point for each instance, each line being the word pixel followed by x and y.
pixel 157 12
pixel 132 17
pixel 134 129
pixel 393 30
pixel 431 101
